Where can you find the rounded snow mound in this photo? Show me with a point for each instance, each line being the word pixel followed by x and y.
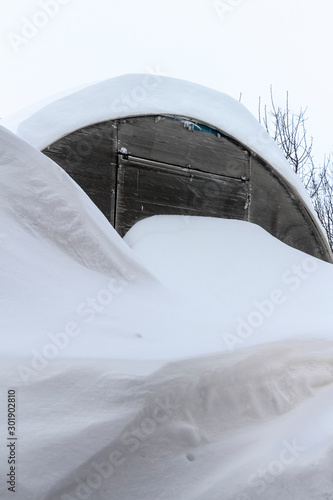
pixel 38 197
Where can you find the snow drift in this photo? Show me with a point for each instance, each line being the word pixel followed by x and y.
pixel 194 360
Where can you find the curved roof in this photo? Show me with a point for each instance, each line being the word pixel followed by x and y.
pixel 142 94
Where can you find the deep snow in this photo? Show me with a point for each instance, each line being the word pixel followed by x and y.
pixel 192 360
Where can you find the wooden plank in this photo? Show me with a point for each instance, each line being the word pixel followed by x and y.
pixel 168 140
pixel 144 191
pixel 89 156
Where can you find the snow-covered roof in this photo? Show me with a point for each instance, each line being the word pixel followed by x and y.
pixel 142 94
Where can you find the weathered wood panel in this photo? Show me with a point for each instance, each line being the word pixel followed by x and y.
pixel 89 156
pixel 169 140
pixel 169 168
pixel 275 208
pixel 145 190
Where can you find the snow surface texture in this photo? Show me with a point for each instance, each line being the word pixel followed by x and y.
pixel 140 94
pixel 192 361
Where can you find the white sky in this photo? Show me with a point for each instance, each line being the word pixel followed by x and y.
pixel 245 47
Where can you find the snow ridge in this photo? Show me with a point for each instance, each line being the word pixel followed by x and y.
pixel 39 196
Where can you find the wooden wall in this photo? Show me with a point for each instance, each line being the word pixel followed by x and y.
pixel 89 156
pixel 142 166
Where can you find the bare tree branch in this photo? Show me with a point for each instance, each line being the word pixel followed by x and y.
pixel 289 131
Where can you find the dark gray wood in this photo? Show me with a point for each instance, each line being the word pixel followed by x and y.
pixel 276 208
pixel 149 165
pixel 151 189
pixel 168 140
pixel 89 156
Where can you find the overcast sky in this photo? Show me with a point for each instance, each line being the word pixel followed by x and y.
pixel 235 46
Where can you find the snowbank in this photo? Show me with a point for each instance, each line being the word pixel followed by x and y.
pixel 235 274
pixel 39 196
pixel 55 248
pixel 255 423
pixel 194 360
